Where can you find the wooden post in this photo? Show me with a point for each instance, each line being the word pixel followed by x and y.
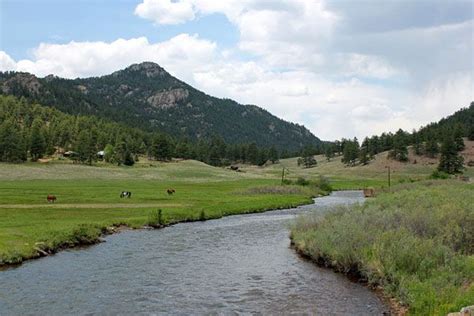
pixel 283 174
pixel 388 177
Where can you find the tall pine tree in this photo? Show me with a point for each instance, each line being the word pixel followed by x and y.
pixel 450 161
pixel 37 140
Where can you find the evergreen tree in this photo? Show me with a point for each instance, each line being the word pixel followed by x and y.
pixel 470 134
pixel 37 141
pixel 458 138
pixel 417 144
pixel 109 153
pixel 183 149
pixel 309 162
pixel 252 154
pixel 399 151
pixel 329 152
pixel 128 158
pixel 273 154
pixel 11 143
pixel 121 153
pixel 308 157
pixel 450 161
pixel 161 147
pixel 431 147
pixel 350 152
pixel 86 146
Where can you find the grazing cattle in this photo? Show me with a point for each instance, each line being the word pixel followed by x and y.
pixel 126 194
pixel 235 168
pixel 51 198
pixel 170 191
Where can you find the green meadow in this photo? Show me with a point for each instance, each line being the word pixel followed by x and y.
pixel 88 200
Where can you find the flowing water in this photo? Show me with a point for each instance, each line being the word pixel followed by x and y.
pixel 235 265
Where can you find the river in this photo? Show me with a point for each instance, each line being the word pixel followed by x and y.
pixel 234 265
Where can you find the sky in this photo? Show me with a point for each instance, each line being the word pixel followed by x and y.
pixel 342 68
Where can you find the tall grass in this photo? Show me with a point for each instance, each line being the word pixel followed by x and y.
pixel 416 242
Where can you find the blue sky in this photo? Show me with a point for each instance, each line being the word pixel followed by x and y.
pixel 341 68
pixel 27 23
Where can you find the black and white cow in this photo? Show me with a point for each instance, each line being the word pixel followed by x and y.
pixel 126 194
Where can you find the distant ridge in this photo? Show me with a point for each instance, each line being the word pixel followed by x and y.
pixel 146 96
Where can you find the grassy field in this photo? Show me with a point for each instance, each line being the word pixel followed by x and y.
pixel 416 241
pixel 88 197
pixel 88 200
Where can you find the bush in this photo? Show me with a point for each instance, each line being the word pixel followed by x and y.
pixel 324 184
pixel 439 175
pixel 202 216
pixel 155 218
pixel 417 242
pixel 302 181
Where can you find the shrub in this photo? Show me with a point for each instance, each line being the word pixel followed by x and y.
pixel 302 181
pixel 324 184
pixel 417 242
pixel 155 218
pixel 202 216
pixel 439 175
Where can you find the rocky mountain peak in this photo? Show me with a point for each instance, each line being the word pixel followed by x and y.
pixel 148 68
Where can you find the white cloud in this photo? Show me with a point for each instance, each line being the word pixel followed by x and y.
pixel 309 63
pixel 85 59
pixel 6 62
pixel 165 11
pixel 367 66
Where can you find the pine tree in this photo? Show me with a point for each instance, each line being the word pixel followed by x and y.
pixel 37 141
pixel 329 152
pixel 458 138
pixel 350 152
pixel 252 154
pixel 470 134
pixel 273 154
pixel 450 161
pixel 431 147
pixel 109 152
pixel 12 147
pixel 161 148
pixel 86 146
pixel 308 156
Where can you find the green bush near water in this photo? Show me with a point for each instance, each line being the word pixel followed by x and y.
pixel 417 242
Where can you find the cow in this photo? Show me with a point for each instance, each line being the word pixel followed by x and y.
pixel 51 198
pixel 126 194
pixel 170 191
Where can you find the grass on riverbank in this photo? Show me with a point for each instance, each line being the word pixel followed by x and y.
pixel 88 200
pixel 416 242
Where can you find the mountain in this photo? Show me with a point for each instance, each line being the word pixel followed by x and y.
pixel 146 96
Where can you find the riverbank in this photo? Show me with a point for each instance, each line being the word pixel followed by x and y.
pixel 90 234
pixel 88 202
pixel 415 243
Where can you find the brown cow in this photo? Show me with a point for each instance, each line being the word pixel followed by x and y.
pixel 170 191
pixel 51 198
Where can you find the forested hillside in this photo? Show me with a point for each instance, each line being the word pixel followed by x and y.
pixel 147 97
pixel 32 131
pixel 440 139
